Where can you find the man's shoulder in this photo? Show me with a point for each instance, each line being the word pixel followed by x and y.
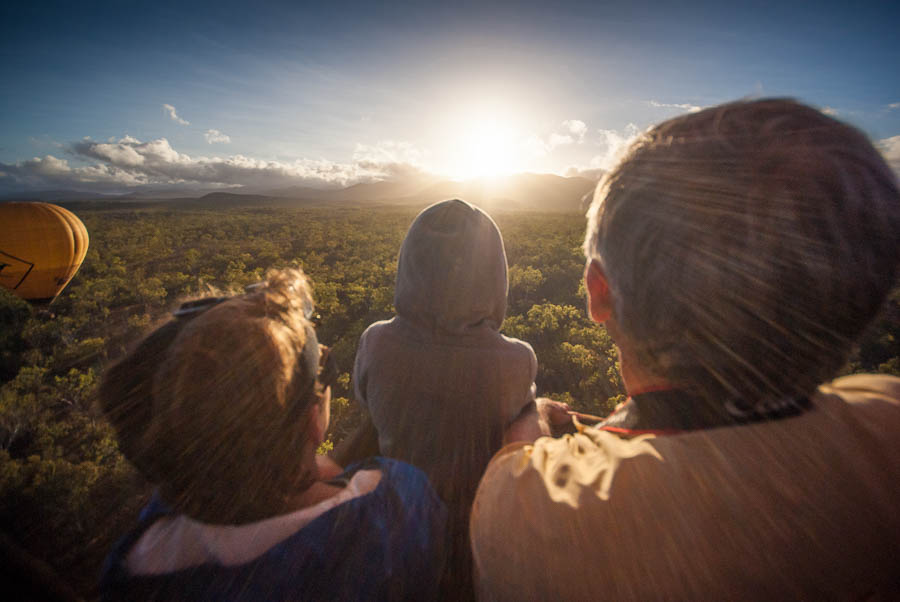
pixel 862 388
pixel 623 509
pixel 563 468
pixel 553 478
pixel 538 504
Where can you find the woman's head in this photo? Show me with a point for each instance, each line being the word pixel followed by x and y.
pixel 747 246
pixel 220 407
pixel 452 273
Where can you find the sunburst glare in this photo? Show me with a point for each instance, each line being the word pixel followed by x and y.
pixel 483 142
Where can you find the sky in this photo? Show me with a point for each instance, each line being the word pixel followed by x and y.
pixel 131 95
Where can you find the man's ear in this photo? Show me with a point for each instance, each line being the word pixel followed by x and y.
pixel 599 299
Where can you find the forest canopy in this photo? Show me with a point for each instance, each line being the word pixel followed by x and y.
pixel 65 490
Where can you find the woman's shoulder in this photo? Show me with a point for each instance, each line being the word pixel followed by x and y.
pixel 400 520
pixel 389 538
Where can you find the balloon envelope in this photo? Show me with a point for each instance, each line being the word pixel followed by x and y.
pixel 41 248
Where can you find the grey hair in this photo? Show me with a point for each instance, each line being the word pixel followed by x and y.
pixel 747 246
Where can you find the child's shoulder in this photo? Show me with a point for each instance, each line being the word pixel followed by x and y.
pixel 523 347
pixel 377 329
pixel 398 332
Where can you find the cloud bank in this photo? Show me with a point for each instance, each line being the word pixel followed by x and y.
pixel 391 159
pixel 215 136
pixel 128 164
pixel 131 164
pixel 890 148
pixel 174 115
pixel 616 142
pixel 683 106
pixel 570 131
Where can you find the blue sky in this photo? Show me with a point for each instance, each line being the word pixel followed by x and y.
pixel 268 94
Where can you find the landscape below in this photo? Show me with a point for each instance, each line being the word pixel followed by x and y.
pixel 66 492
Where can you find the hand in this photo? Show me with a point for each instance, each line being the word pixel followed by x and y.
pixel 527 426
pixel 555 413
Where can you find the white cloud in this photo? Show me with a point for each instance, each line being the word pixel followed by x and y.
pixel 576 127
pixel 213 136
pixel 556 139
pixel 51 172
pixel 130 152
pixel 683 106
pixel 591 173
pixel 171 111
pixel 829 111
pixel 570 131
pixel 131 163
pixel 387 151
pixel 890 148
pixel 389 159
pixel 615 143
pixel 893 105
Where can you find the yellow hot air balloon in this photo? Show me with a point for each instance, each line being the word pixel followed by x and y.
pixel 41 248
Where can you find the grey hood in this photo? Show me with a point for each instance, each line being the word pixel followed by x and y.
pixel 451 275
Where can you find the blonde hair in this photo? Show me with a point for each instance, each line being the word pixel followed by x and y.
pixel 747 246
pixel 211 408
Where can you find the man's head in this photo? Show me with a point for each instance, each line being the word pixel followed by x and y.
pixel 741 250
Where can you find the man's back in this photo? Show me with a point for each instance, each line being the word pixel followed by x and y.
pixel 802 507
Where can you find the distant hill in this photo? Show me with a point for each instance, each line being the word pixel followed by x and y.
pixel 367 191
pixel 298 192
pixel 541 192
pixel 545 192
pixel 56 195
pixel 522 191
pixel 170 193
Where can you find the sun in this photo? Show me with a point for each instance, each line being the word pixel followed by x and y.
pixel 483 142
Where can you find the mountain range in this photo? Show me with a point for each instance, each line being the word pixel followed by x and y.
pixel 527 191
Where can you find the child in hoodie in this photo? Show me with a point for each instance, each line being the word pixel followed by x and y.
pixel 438 380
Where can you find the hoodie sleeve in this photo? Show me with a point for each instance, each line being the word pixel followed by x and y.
pixel 524 381
pixel 532 388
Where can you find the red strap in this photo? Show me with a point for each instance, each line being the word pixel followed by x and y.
pixel 635 432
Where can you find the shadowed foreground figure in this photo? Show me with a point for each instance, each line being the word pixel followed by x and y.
pixel 735 255
pixel 223 408
pixel 439 380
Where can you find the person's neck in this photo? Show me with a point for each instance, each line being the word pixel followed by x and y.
pixel 318 491
pixel 315 493
pixel 635 377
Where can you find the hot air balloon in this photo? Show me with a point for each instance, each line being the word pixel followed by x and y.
pixel 41 248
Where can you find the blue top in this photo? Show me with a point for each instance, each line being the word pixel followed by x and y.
pixel 384 545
